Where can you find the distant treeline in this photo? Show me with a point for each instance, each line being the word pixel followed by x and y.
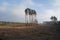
pixel 10 22
pixel 3 23
pixel 14 24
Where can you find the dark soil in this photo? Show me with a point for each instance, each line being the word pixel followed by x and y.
pixel 35 33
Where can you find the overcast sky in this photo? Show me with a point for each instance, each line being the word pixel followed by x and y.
pixel 13 10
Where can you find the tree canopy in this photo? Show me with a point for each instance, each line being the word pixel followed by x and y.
pixel 53 18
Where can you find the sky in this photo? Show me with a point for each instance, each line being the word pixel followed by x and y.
pixel 13 10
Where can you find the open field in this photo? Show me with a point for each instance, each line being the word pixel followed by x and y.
pixel 28 33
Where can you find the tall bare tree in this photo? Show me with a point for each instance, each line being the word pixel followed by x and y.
pixel 27 12
pixel 31 14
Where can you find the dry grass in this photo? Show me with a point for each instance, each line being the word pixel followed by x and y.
pixel 28 33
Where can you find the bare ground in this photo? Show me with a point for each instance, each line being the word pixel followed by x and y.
pixel 28 33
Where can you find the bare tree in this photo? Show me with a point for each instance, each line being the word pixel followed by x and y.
pixel 30 15
pixel 27 12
